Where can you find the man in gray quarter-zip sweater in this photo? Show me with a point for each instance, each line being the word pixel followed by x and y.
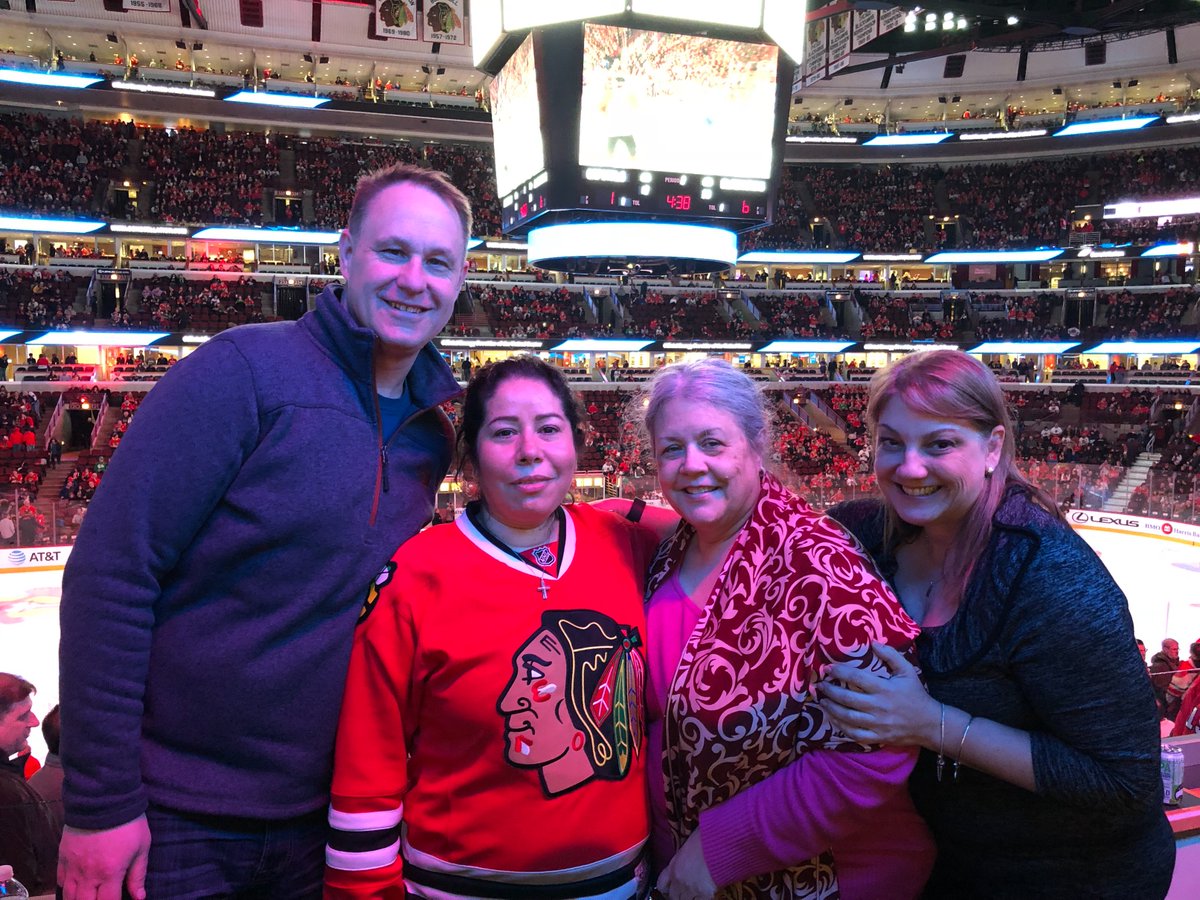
pixel 209 603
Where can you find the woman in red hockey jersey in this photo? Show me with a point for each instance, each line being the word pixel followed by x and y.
pixel 491 738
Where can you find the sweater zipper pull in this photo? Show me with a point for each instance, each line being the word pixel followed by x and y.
pixel 383 454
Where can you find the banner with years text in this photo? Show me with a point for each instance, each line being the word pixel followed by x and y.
pixel 443 22
pixel 396 19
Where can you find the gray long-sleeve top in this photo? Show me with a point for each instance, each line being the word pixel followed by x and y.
pixel 1043 642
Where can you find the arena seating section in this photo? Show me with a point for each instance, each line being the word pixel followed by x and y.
pixel 532 312
pixel 790 314
pixel 670 314
pixel 66 165
pixel 174 303
pixel 1078 448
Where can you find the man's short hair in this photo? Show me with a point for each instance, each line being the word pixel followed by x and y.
pixel 13 690
pixel 52 729
pixel 439 183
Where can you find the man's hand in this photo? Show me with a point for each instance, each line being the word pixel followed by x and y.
pixel 93 865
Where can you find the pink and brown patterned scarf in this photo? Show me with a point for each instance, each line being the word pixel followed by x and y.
pixel 796 593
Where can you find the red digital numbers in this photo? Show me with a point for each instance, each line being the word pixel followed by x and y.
pixel 745 208
pixel 679 201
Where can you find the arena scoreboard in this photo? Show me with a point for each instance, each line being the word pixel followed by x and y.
pixel 595 122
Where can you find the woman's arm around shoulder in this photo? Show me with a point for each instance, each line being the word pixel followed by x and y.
pixel 662 520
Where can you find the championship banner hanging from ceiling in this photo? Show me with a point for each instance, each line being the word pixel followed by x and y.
pixel 839 42
pixel 866 27
pixel 396 19
pixel 443 22
pixel 891 19
pixel 816 51
pixel 832 38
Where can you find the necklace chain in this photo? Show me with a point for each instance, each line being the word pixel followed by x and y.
pixel 550 525
pixel 555 523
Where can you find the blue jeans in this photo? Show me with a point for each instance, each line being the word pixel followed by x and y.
pixel 195 856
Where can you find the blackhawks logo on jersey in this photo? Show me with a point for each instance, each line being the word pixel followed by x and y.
pixel 382 580
pixel 573 708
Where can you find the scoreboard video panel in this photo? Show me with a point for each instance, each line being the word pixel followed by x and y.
pixel 516 121
pixel 681 103
pixel 647 124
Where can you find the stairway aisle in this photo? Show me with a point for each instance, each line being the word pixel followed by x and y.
pixel 49 490
pixel 1134 477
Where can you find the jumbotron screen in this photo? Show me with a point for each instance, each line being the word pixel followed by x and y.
pixel 643 124
pixel 677 103
pixel 516 121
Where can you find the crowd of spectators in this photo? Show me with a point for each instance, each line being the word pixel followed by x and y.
pixel 1003 206
pixel 875 207
pixel 1073 484
pixel 849 402
pixel 1183 507
pixel 1128 407
pixel 39 298
pixel 695 314
pixel 1145 231
pixel 1148 173
pixel 473 169
pixel 65 165
pixel 1173 488
pixel 77 250
pixel 1075 444
pixel 789 314
pixel 331 167
pixel 20 413
pixel 81 482
pixel 888 316
pixel 1036 406
pixel 790 228
pixel 173 303
pixel 520 312
pixel 208 176
pixel 1146 315
pixel 808 450
pixel 611 443
pixel 57 165
pixel 1026 317
pixel 22 468
pixel 1018 328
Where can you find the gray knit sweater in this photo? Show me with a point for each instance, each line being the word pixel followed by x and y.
pixel 1043 642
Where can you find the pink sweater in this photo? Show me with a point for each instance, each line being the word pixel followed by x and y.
pixel 855 803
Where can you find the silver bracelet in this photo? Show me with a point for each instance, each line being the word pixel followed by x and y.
pixel 962 740
pixel 941 760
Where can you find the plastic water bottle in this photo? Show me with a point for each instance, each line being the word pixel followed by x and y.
pixel 9 886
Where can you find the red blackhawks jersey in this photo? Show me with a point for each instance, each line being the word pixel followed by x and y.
pixel 490 741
